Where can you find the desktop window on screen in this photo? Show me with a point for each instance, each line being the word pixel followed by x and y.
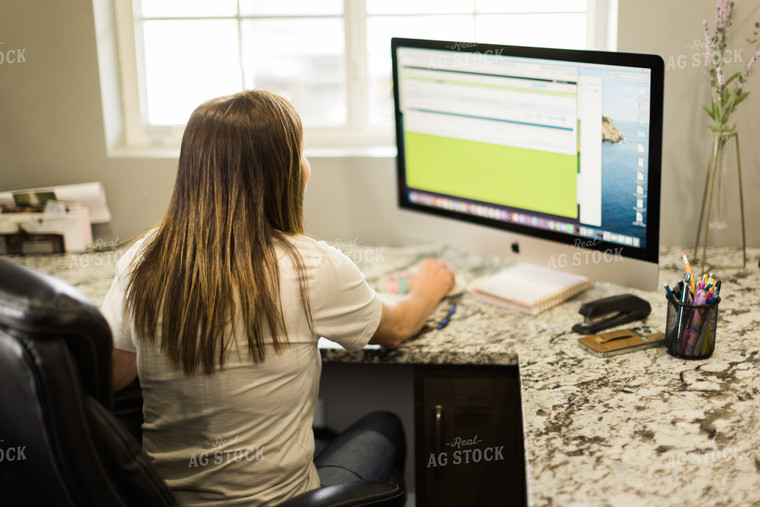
pixel 553 145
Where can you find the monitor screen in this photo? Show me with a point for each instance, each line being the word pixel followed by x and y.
pixel 559 145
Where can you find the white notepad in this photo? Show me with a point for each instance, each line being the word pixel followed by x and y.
pixel 529 288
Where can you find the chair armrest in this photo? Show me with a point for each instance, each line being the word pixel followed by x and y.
pixel 350 494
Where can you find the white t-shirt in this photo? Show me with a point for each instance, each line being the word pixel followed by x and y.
pixel 242 435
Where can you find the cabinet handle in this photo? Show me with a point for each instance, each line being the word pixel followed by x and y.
pixel 438 434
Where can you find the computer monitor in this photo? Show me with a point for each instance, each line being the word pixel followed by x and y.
pixel 561 149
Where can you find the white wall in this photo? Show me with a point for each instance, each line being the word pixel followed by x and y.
pixel 665 27
pixel 51 131
pixel 51 121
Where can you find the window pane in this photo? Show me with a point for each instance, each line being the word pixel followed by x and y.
pixel 302 60
pixel 185 8
pixel 544 30
pixel 187 63
pixel 380 29
pixel 532 6
pixel 290 7
pixel 419 6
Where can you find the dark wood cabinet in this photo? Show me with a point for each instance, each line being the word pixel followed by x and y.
pixel 469 437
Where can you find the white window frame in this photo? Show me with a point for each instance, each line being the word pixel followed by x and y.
pixel 601 30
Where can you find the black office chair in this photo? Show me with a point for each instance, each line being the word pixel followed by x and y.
pixel 60 444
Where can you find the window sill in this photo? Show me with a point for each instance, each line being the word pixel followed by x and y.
pixel 127 152
pixel 379 151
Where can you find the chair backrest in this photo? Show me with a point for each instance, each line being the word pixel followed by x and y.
pixel 59 442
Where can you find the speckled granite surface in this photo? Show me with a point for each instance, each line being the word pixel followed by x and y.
pixel 637 429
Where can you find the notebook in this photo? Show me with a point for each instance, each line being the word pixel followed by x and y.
pixel 529 288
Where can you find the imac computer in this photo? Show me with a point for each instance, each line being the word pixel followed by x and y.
pixel 559 149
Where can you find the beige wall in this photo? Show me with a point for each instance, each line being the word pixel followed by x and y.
pixel 670 28
pixel 51 130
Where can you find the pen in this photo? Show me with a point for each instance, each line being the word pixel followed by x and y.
pixel 688 294
pixel 669 293
pixel 708 340
pixel 703 343
pixel 693 332
pixel 706 343
pixel 445 321
pixel 712 294
pixel 680 321
pixel 677 290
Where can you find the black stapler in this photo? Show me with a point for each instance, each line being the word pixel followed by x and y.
pixel 611 311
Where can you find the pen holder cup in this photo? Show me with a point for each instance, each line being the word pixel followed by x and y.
pixel 690 329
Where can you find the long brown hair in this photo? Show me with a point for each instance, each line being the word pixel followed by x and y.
pixel 238 195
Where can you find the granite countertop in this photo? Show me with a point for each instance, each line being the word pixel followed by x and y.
pixel 642 428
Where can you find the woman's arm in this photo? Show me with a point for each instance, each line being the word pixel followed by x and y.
pixel 403 318
pixel 124 366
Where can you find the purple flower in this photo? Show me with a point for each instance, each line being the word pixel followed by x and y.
pixel 708 45
pixel 751 63
pixel 723 13
pixel 724 95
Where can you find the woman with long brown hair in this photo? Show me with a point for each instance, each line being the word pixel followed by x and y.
pixel 218 311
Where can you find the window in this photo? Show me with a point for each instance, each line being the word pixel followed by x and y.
pixel 330 58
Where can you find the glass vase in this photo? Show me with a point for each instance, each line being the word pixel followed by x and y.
pixel 719 216
pixel 718 195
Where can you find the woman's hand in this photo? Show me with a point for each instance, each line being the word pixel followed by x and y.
pixel 404 318
pixel 433 278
